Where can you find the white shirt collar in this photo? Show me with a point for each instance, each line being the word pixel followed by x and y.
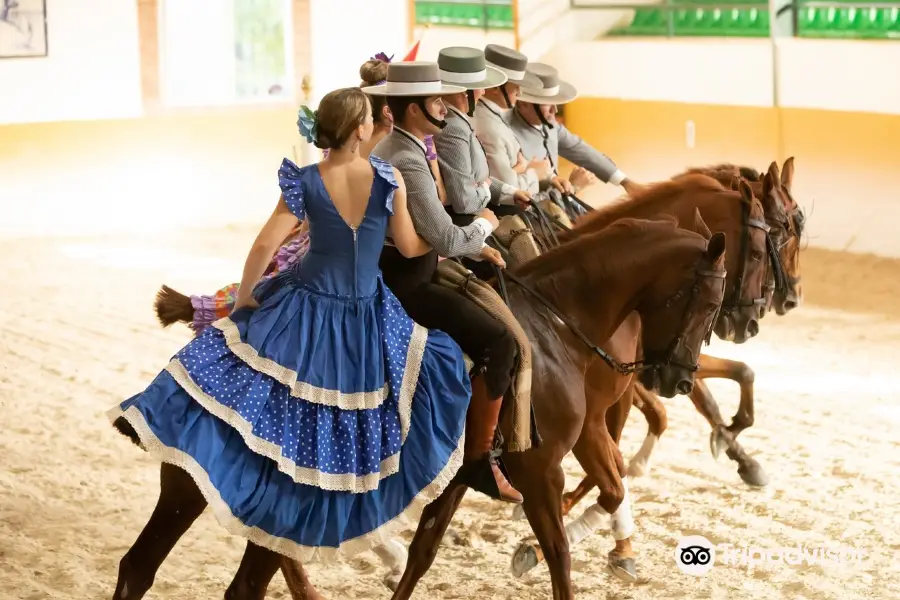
pixel 421 143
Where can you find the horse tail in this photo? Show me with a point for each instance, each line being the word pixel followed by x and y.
pixel 172 306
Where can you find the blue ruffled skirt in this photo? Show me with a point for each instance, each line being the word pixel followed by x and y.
pixel 314 424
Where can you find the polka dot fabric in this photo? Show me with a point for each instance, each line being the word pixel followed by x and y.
pixel 326 417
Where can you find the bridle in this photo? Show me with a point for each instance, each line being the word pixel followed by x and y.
pixel 736 302
pixel 659 361
pixel 781 280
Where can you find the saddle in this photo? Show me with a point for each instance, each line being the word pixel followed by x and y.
pixel 518 242
pixel 516 417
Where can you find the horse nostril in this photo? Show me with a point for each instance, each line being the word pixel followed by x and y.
pixel 752 328
pixel 684 387
pixel 790 304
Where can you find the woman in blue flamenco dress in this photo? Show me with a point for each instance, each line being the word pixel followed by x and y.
pixel 317 419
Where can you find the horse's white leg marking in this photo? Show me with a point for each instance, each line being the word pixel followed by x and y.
pixel 638 465
pixel 621 522
pixel 589 522
pixel 393 555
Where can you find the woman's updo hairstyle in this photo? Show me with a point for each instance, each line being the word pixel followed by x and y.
pixel 374 72
pixel 340 113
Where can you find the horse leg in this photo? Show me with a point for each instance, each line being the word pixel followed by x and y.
pixel 298 583
pixel 394 556
pixel 614 496
pixel 251 581
pixel 569 499
pixel 180 503
pixel 712 367
pixel 654 412
pixel 657 422
pixel 423 549
pixel 749 470
pixel 542 492
pixel 594 456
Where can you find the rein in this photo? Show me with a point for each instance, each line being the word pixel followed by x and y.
pixel 667 358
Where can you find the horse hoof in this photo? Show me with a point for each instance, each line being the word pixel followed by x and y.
pixel 524 559
pixel 518 512
pixel 717 442
pixel 625 569
pixel 637 468
pixel 392 581
pixel 753 474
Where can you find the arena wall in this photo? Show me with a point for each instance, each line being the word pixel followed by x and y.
pixel 92 70
pixel 89 147
pixel 658 107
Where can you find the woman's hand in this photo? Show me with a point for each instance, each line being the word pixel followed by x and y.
pixel 242 303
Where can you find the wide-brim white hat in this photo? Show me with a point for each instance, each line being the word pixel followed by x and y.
pixel 552 91
pixel 415 78
pixel 466 67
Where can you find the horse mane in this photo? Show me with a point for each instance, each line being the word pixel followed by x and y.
pixel 624 245
pixel 725 170
pixel 648 198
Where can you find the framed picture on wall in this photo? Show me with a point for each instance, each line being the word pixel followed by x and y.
pixel 23 28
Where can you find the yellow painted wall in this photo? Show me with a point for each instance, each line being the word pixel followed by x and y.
pixel 206 169
pixel 847 164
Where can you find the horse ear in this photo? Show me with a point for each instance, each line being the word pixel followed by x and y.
pixel 776 175
pixel 787 173
pixel 746 190
pixel 700 225
pixel 715 249
pixel 768 185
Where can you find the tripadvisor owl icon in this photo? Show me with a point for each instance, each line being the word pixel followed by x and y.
pixel 695 555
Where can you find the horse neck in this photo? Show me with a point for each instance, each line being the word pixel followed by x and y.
pixel 597 297
pixel 642 208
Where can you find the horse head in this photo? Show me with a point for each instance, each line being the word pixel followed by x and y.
pixel 680 307
pixel 743 220
pixel 787 221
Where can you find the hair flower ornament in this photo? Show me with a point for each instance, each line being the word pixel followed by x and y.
pixel 307 124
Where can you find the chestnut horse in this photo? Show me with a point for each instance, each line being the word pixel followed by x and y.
pixel 580 303
pixel 786 220
pixel 739 214
pixel 672 277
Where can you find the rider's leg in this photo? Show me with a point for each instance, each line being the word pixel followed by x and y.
pixel 490 346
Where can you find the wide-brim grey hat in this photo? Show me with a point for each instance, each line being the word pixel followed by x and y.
pixel 552 91
pixel 511 63
pixel 467 67
pixel 415 78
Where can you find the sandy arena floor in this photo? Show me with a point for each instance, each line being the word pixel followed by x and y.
pixel 79 335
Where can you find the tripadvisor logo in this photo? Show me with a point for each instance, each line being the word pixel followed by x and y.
pixel 696 555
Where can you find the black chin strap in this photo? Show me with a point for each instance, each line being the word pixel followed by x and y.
pixel 505 96
pixel 432 120
pixel 470 94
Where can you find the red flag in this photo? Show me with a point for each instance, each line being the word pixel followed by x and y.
pixel 411 55
pixel 414 51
